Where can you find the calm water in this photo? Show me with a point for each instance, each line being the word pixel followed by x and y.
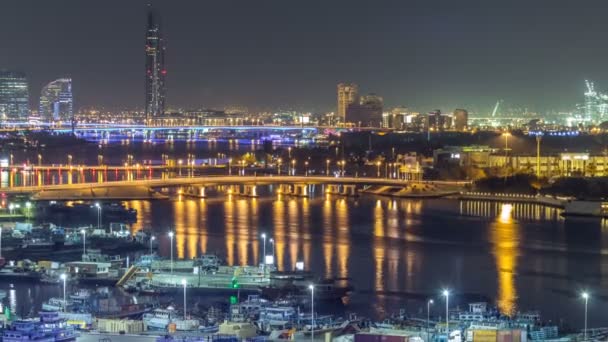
pixel 398 253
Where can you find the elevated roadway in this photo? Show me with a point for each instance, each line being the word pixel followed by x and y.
pixel 223 180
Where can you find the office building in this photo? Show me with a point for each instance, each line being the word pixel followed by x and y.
pixel 56 102
pixel 348 100
pixel 14 96
pixel 155 67
pixel 438 122
pixel 369 111
pixel 461 119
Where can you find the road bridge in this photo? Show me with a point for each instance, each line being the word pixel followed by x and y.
pixel 200 183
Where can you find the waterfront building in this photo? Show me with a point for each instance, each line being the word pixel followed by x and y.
pixel 14 96
pixel 485 158
pixel 155 67
pixel 348 100
pixel 56 101
pixel 461 119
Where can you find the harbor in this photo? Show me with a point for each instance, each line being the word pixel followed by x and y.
pixel 150 298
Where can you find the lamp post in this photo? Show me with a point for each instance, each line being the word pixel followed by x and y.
pixel 306 167
pixel 98 215
pixel 84 241
pixel 293 167
pixel 273 257
pixel 229 167
pixel 378 165
pixel 585 296
pixel 279 161
pixel 152 238
pixel 64 278
pixel 446 294
pixel 171 237
pixel 264 249
pixel 327 167
pixel 538 139
pixel 185 283
pixel 428 317
pixel 312 311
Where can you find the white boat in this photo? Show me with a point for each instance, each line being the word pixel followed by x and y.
pixel 159 319
pixel 80 295
pixel 2 294
pixel 53 304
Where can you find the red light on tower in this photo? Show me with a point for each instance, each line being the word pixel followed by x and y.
pixel 164 72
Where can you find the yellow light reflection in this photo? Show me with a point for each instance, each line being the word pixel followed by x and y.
pixel 180 232
pixel 306 228
pixel 343 237
pixel 243 232
pixel 505 237
pixel 203 229
pixel 191 230
pixel 278 210
pixel 328 236
pixel 229 223
pixel 293 231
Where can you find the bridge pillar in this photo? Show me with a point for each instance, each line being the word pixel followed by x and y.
pixel 332 189
pixel 250 191
pixel 234 190
pixel 300 190
pixel 349 190
pixel 197 191
pixel 284 189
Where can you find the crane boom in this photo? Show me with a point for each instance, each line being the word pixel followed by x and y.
pixel 496 108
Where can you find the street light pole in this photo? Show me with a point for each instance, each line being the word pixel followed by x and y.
pixel 184 282
pixel 327 167
pixel 64 277
pixel 171 237
pixel 264 250
pixel 585 296
pixel 98 215
pixel 428 317
pixel 152 238
pixel 446 293
pixel 84 241
pixel 273 255
pixel 312 312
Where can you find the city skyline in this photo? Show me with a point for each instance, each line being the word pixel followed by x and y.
pixel 270 56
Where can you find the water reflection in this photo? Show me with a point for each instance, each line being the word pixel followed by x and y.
pixel 504 235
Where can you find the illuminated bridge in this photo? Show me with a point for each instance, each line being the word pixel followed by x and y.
pixel 236 185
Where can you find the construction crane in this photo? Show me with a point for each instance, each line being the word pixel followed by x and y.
pixel 496 108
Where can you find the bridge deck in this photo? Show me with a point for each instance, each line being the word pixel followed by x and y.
pixel 223 180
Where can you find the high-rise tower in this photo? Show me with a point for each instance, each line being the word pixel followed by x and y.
pixel 14 96
pixel 348 96
pixel 155 67
pixel 56 101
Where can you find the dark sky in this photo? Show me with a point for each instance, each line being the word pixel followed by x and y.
pixel 290 54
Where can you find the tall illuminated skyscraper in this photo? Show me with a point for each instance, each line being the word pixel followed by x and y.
pixel 56 101
pixel 155 67
pixel 348 96
pixel 14 96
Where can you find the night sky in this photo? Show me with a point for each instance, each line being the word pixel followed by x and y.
pixel 268 54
